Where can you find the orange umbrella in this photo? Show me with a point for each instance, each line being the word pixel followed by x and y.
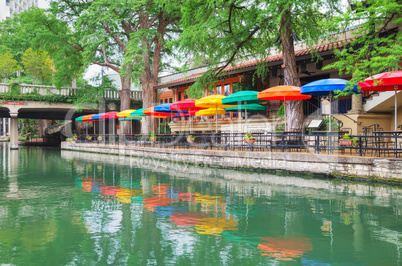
pixel 282 93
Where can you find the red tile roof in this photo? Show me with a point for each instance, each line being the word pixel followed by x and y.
pixel 320 49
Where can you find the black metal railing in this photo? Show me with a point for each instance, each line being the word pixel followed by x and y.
pixel 379 144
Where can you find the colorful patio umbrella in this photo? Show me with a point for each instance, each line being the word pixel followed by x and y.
pixel 97 116
pixel 242 97
pixel 89 118
pixel 139 112
pixel 151 111
pixel 282 93
pixel 326 87
pixel 129 118
pixel 214 102
pixel 125 113
pixel 80 118
pixel 110 115
pixel 388 81
pixel 186 105
pixel 212 112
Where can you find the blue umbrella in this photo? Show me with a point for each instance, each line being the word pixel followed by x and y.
pixel 165 108
pixel 326 87
pixel 97 117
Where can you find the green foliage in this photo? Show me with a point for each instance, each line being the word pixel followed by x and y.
pixel 22 138
pixel 238 30
pixel 346 136
pixel 202 84
pixel 373 50
pixel 164 128
pixel 190 138
pixel 50 98
pixel 14 87
pixel 17 34
pixel 8 65
pixel 38 64
pixel 281 111
pixel 325 125
pixel 248 136
pixel 280 128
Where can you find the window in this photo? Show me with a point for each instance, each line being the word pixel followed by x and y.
pixel 226 89
pixel 170 100
pixel 179 96
pixel 218 90
pixel 161 101
pixel 166 100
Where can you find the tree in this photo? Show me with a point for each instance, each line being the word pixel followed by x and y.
pixel 17 34
pixel 38 64
pixel 126 36
pixel 377 45
pixel 8 65
pixel 236 30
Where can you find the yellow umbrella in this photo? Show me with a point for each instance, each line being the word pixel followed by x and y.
pixel 125 113
pixel 212 112
pixel 212 101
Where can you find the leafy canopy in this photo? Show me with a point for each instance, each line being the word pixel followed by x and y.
pixel 38 64
pixel 377 44
pixel 8 65
pixel 241 30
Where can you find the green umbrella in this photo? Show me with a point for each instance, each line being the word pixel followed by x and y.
pixel 242 97
pixel 80 118
pixel 250 108
pixel 139 112
pixel 130 118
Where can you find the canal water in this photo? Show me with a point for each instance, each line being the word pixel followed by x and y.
pixel 71 208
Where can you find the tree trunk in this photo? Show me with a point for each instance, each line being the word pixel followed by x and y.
pixel 125 101
pixel 294 110
pixel 148 100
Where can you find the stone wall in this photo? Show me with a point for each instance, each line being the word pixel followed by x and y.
pixel 381 169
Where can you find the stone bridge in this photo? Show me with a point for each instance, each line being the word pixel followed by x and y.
pixel 14 109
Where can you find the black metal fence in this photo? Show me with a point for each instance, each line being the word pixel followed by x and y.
pixel 376 145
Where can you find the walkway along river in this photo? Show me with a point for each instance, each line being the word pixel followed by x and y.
pixel 67 207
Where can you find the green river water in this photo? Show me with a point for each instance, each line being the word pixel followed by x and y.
pixel 71 208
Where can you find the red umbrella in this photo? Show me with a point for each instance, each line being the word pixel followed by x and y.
pixel 186 105
pixel 150 111
pixel 388 81
pixel 110 115
pixel 282 93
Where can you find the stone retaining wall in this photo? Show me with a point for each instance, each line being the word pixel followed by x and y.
pixel 385 169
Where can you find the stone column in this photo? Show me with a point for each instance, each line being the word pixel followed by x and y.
pixel 357 104
pixel 13 131
pixel 4 127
